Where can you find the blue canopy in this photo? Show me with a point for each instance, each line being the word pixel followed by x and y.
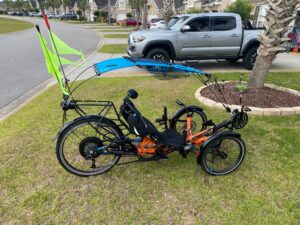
pixel 149 64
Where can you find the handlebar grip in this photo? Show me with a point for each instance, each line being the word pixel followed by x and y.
pixel 178 102
pixel 159 120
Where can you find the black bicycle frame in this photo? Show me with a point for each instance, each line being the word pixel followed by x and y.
pixel 105 108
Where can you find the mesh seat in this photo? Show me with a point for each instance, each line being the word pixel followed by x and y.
pixel 142 126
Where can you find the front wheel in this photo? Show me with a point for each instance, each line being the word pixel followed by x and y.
pixel 179 121
pixel 84 147
pixel 158 53
pixel 222 155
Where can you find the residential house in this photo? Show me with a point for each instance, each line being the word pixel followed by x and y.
pixel 156 8
pixel 190 4
pixel 119 8
pixel 179 7
pixel 2 7
pixel 215 5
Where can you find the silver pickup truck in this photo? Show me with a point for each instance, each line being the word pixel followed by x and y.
pixel 197 37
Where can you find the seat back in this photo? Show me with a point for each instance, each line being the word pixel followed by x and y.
pixel 138 124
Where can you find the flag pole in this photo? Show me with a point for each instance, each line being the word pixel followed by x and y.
pixel 44 44
pixel 54 45
pixel 50 32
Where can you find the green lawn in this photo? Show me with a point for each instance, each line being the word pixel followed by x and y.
pixel 114 48
pixel 11 25
pixel 116 35
pixel 35 189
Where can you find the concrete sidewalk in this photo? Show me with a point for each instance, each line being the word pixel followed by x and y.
pixel 284 63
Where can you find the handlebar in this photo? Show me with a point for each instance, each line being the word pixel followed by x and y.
pixel 180 103
pixel 238 119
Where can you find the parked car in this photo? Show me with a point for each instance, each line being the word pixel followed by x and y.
pixel 158 25
pixel 50 15
pixel 154 20
pixel 68 16
pixel 18 14
pixel 34 14
pixel 196 37
pixel 130 22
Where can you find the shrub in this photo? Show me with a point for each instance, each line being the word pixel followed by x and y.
pixel 129 15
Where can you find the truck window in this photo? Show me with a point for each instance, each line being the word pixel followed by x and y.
pixel 174 24
pixel 199 24
pixel 224 23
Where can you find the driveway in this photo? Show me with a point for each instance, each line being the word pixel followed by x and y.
pixel 284 62
pixel 22 66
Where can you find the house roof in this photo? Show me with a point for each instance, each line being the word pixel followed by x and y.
pixel 72 3
pixel 178 3
pixel 104 3
pixel 33 3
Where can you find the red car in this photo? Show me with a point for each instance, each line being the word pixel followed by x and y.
pixel 130 22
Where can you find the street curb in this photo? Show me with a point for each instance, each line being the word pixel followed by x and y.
pixel 21 101
pixel 283 111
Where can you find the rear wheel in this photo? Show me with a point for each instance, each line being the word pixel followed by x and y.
pixel 234 60
pixel 223 155
pixel 81 148
pixel 249 58
pixel 158 53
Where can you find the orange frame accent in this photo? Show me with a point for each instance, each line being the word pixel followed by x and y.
pixel 198 138
pixel 148 146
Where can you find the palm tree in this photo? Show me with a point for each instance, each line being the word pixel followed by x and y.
pixel 145 14
pixel 280 14
pixel 168 10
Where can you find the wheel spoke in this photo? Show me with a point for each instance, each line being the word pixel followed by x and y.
pixel 223 156
pixel 79 152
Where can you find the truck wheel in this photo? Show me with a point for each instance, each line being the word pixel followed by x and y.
pixel 233 60
pixel 158 53
pixel 250 58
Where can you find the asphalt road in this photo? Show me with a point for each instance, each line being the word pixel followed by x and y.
pixel 22 64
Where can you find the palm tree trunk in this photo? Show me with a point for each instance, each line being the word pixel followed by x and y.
pixel 145 15
pixel 261 69
pixel 278 18
pixel 109 11
pixel 138 15
pixel 168 10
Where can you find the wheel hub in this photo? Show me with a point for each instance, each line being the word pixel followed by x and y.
pixel 223 155
pixel 88 147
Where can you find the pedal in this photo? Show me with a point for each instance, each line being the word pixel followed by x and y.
pixel 183 153
pixel 159 120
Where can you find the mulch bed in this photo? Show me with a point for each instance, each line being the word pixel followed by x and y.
pixel 265 97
